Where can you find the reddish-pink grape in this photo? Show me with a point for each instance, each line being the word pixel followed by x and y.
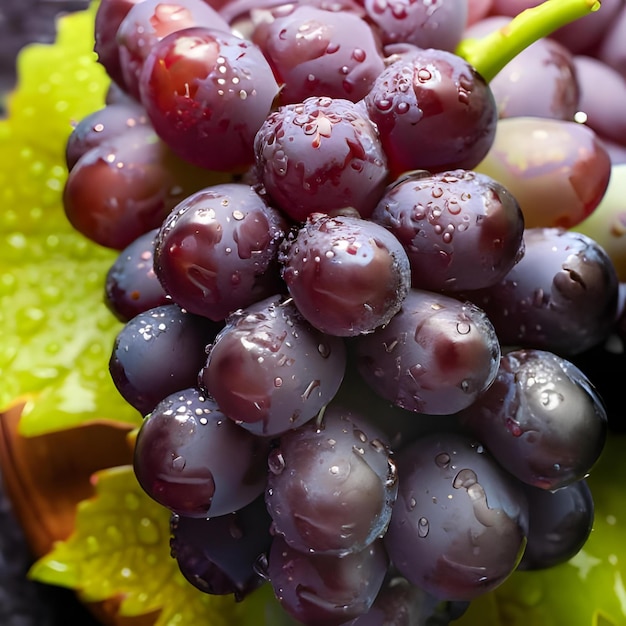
pixel 207 93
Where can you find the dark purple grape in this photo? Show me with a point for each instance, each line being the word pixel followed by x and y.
pixel 317 52
pixel 270 370
pixel 331 484
pixel 460 229
pixel 561 296
pixel 435 356
pixel 131 286
pixel 148 22
pixel 126 186
pixel 193 460
pixel 98 127
pixel 433 111
pixel 458 526
pixel 346 275
pixel 159 352
pixel 326 590
pixel 424 24
pixel 541 419
pixel 218 555
pixel 207 93
pixel 559 524
pixel 109 16
pixel 218 250
pixel 321 155
pixel 399 603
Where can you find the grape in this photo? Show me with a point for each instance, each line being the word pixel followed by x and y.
pixel 433 112
pixel 421 24
pixel 109 16
pixel 325 590
pixel 331 484
pixel 131 286
pixel 157 353
pixel 557 170
pixel 218 555
pixel 600 107
pixel 320 155
pixel 541 419
pixel 269 370
pixel 193 460
pixel 561 296
pixel 148 22
pixel 435 356
pixel 317 52
pixel 443 219
pixel 217 250
pixel 559 524
pixel 100 126
pixel 458 526
pixel 346 275
pixel 399 603
pixel 125 187
pixel 207 93
pixel 540 81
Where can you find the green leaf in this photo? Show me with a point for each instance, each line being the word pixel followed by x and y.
pixel 589 590
pixel 120 548
pixel 56 334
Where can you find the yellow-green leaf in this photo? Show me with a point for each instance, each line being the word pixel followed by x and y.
pixel 56 334
pixel 121 549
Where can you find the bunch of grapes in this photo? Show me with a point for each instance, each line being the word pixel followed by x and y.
pixel 350 330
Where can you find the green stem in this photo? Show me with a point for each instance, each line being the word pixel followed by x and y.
pixel 491 53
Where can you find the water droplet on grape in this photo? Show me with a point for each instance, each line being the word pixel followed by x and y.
pixel 423 527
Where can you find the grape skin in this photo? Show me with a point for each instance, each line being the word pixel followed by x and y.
pixel 459 524
pixel 193 460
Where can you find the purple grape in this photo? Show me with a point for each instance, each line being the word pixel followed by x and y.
pixel 193 460
pixel 125 187
pixel 435 356
pixel 600 108
pixel 326 590
pixel 270 370
pixel 131 286
pixel 399 603
pixel 424 24
pixel 317 52
pixel 346 275
pixel 149 21
pixel 561 296
pixel 320 155
pixel 218 555
pixel 433 112
pixel 109 16
pixel 218 250
pixel 331 484
pixel 460 229
pixel 207 93
pixel 560 523
pixel 541 419
pixel 100 126
pixel 458 526
pixel 159 352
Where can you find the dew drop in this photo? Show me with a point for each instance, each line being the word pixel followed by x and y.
pixel 423 527
pixel 443 460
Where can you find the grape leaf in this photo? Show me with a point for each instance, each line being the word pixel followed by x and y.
pixel 56 334
pixel 120 548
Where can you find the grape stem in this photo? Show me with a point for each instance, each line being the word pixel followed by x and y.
pixel 489 54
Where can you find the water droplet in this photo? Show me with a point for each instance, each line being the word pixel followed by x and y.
pixel 423 527
pixel 276 461
pixel 443 460
pixel 178 463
